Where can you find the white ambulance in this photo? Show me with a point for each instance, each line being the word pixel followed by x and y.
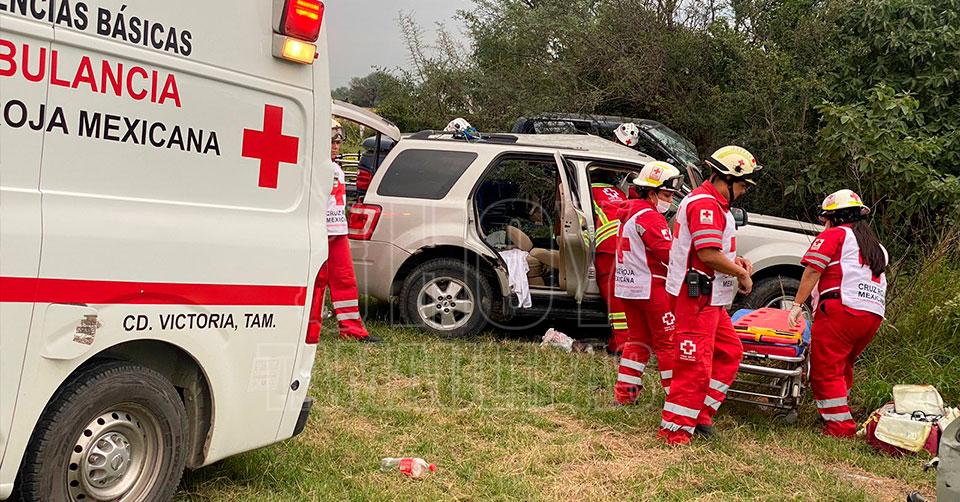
pixel 164 170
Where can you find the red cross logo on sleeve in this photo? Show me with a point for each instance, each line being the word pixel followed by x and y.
pixel 271 146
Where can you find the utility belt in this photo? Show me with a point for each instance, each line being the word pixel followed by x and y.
pixel 698 284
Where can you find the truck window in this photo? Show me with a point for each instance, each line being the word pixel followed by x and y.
pixel 424 174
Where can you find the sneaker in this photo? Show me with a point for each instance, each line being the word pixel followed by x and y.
pixel 370 339
pixel 705 431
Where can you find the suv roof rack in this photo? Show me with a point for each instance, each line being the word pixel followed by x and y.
pixel 484 137
pixel 500 139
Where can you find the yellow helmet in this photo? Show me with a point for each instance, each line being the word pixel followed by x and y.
pixel 659 175
pixel 735 161
pixel 843 199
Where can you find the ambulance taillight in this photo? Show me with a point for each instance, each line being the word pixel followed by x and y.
pixel 297 24
pixel 302 19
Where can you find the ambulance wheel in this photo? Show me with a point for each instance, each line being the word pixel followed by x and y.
pixel 446 297
pixel 116 431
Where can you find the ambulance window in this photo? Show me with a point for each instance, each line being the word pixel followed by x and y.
pixel 424 174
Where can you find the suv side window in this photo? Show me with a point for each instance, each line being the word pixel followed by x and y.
pixel 424 174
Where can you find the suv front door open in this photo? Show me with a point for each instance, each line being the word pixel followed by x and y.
pixel 575 250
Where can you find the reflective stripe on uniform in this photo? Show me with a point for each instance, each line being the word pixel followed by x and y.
pixel 831 403
pixel 837 417
pixel 620 325
pixel 709 231
pixel 666 390
pixel 348 316
pixel 819 257
pixel 711 402
pixel 672 427
pixel 633 380
pixel 346 303
pixel 683 411
pixel 666 374
pixel 719 386
pixel 634 365
pixel 616 316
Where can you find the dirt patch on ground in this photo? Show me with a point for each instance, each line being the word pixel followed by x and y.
pixel 593 463
pixel 884 489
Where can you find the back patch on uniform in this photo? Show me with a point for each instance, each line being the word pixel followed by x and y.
pixel 706 217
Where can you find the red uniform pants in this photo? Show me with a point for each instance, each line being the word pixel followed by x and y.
pixel 837 338
pixel 651 330
pixel 337 274
pixel 707 354
pixel 606 265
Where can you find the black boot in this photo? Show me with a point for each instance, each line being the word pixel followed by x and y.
pixel 370 339
pixel 705 431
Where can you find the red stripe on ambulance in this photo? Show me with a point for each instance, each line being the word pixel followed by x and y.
pixel 44 290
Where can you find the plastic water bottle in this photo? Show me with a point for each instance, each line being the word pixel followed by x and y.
pixel 416 468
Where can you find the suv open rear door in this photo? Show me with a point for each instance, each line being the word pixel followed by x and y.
pixel 575 252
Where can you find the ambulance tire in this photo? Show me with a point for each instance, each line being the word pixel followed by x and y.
pixel 771 291
pixel 443 272
pixel 101 410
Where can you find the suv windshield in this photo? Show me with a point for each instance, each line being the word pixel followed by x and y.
pixel 677 144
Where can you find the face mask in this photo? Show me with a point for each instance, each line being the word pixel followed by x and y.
pixel 663 207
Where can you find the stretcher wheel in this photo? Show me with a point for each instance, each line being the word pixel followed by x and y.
pixel 789 418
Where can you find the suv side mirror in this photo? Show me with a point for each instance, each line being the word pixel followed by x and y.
pixel 740 216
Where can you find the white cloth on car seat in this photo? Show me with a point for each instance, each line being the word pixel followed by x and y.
pixel 517 269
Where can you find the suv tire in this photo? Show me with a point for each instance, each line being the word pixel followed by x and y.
pixel 772 292
pixel 115 431
pixel 446 297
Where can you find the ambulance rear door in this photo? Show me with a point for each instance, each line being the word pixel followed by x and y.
pixel 22 101
pixel 175 200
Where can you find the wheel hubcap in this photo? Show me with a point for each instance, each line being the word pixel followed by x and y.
pixel 445 303
pixel 116 457
pixel 786 303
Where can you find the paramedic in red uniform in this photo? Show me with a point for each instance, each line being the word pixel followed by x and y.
pixel 845 268
pixel 703 277
pixel 643 251
pixel 337 272
pixel 606 202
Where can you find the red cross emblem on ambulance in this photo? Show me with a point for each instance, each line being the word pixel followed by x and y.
pixel 271 146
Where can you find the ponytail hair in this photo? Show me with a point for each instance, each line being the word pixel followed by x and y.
pixel 870 249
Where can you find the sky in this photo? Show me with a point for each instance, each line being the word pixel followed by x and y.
pixel 364 33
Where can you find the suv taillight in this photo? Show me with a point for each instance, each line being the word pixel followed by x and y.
pixel 302 19
pixel 362 221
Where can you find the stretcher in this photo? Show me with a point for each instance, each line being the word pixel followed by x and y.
pixel 775 366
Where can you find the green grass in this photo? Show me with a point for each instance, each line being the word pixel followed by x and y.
pixel 504 420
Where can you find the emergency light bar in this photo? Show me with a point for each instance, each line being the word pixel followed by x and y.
pixel 297 24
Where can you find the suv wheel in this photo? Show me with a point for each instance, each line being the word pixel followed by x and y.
pixel 446 297
pixel 775 292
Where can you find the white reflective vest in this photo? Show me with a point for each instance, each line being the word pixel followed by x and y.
pixel 859 290
pixel 337 204
pixel 634 280
pixel 724 286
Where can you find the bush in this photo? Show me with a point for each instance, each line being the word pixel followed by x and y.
pixel 920 341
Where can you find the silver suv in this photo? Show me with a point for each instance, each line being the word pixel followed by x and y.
pixel 440 214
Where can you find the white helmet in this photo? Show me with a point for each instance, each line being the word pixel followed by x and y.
pixel 457 125
pixel 659 175
pixel 735 161
pixel 628 134
pixel 336 129
pixel 844 199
